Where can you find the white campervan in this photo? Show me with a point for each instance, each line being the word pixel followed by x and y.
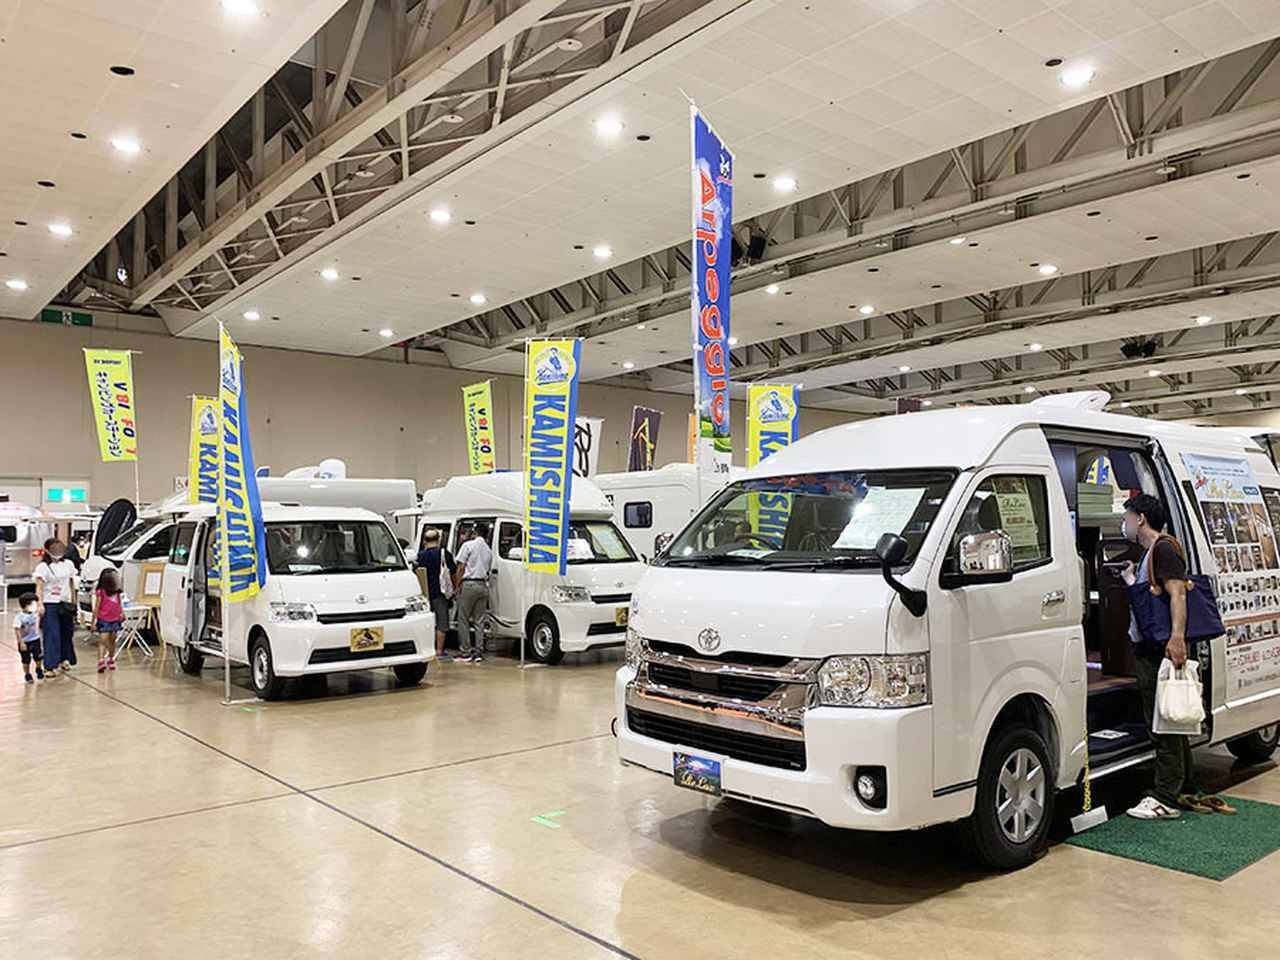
pixel 939 632
pixel 652 506
pixel 339 595
pixel 587 607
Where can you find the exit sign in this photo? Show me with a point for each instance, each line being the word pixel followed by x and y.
pixel 68 318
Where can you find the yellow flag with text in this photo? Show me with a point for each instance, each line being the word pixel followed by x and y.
pixel 202 456
pixel 477 417
pixel 773 422
pixel 111 397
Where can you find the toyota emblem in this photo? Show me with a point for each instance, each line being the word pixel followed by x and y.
pixel 361 598
pixel 709 639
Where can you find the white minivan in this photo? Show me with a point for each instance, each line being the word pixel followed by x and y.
pixel 959 668
pixel 339 595
pixel 651 506
pixel 587 607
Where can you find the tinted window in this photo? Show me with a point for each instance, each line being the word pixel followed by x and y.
pixel 158 547
pixel 332 546
pixel 182 542
pixel 510 535
pixel 637 514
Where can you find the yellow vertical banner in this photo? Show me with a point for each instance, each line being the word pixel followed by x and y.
pixel 773 422
pixel 477 415
pixel 111 397
pixel 550 410
pixel 202 455
pixel 241 533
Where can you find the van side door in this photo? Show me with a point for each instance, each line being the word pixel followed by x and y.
pixel 176 584
pixel 991 642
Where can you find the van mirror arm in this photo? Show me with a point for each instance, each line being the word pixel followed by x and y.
pixel 892 549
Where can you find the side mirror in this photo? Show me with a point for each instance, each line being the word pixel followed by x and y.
pixel 982 558
pixel 516 553
pixel 892 550
pixel 661 542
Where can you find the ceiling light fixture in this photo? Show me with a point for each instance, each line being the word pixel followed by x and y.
pixel 364 173
pixel 1028 389
pixel 569 44
pixel 772 289
pixel 126 145
pixel 628 364
pixel 733 341
pixel 329 273
pixel 1203 320
pixel 602 251
pixel 16 284
pixel 926 403
pixel 60 229
pixel 453 119
pixel 240 8
pixel 866 309
pixel 784 184
pixel 1153 372
pixel 640 326
pixel 252 315
pixel 1035 347
pixel 441 215
pixel 904 369
pixel 386 333
pixel 1077 76
pixel 609 127
pixel 479 299
pixel 1125 404
pixel 1241 391
pixel 1047 269
pixel 956 241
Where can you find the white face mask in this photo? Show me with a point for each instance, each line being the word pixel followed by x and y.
pixel 1125 532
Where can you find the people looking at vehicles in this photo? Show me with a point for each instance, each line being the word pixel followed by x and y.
pixel 471 583
pixel 56 594
pixel 108 617
pixel 433 558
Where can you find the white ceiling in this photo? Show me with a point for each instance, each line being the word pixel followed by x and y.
pixel 824 90
pixel 195 64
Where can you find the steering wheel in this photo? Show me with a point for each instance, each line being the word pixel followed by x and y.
pixel 813 542
pixel 752 537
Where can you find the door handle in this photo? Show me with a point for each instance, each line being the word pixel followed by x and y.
pixel 1052 597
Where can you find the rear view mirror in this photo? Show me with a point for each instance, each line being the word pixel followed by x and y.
pixel 516 553
pixel 985 557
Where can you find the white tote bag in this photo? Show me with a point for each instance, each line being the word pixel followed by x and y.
pixel 1179 700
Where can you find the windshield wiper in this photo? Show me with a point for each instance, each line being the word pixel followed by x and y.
pixel 818 563
pixel 714 560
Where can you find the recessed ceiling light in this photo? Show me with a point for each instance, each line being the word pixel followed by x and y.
pixel 1028 389
pixel 569 44
pixel 866 309
pixel 1241 391
pixel 772 289
pixel 733 341
pixel 126 145
pixel 479 299
pixel 1035 347
pixel 452 118
pixel 1153 372
pixel 628 364
pixel 904 369
pixel 386 333
pixel 240 8
pixel 609 126
pixel 602 251
pixel 956 241
pixel 122 274
pixel 16 284
pixel 784 184
pixel 926 403
pixel 1077 76
pixel 329 273
pixel 1125 403
pixel 441 215
pixel 1047 269
pixel 364 173
pixel 1203 320
pixel 640 326
pixel 60 229
pixel 252 315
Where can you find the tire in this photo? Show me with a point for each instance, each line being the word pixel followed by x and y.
pixel 544 638
pixel 1015 758
pixel 262 671
pixel 410 674
pixel 1256 747
pixel 190 659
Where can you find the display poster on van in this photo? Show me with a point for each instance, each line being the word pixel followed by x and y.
pixel 477 416
pixel 551 408
pixel 241 536
pixel 709 295
pixel 111 397
pixel 202 455
pixel 1241 526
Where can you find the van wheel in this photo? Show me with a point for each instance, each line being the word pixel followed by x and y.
pixel 1013 809
pixel 410 674
pixel 544 638
pixel 190 659
pixel 1256 747
pixel 263 672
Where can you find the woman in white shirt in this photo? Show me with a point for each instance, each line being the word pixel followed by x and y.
pixel 56 591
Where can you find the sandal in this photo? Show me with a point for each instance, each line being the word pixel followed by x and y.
pixel 1215 804
pixel 1193 803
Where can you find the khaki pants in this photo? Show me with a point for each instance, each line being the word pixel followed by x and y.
pixel 473 604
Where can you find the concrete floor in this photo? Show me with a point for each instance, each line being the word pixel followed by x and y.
pixel 141 818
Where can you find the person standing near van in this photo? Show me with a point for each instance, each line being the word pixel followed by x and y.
pixel 471 583
pixel 56 590
pixel 108 617
pixel 432 558
pixel 1163 563
pixel 26 626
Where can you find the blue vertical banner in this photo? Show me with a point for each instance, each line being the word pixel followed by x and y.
pixel 241 536
pixel 550 409
pixel 709 297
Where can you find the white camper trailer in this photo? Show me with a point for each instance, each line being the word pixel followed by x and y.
pixel 652 506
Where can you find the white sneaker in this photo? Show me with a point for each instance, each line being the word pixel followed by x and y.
pixel 1149 808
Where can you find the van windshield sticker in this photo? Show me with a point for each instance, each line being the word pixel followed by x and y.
pixel 304 567
pixel 882 510
pixel 580 549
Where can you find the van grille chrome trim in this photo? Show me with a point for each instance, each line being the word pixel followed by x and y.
pixel 780 715
pixel 798 670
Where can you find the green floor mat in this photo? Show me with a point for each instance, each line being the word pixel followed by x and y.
pixel 1207 845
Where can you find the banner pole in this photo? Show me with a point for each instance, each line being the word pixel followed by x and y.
pixel 137 486
pixel 524 456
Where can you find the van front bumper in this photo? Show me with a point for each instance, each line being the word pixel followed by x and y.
pixel 586 625
pixel 836 742
pixel 306 647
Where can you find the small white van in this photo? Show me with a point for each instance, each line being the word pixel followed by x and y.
pixel 339 596
pixel 587 607
pixel 959 668
pixel 652 506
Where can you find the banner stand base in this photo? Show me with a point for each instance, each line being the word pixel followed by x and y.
pixel 236 703
pixel 530 666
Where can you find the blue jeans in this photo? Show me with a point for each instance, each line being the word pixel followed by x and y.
pixel 59 627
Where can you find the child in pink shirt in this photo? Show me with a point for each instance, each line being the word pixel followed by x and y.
pixel 108 617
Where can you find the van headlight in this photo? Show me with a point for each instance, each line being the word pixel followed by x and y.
pixel 563 593
pixel 416 604
pixel 292 612
pixel 636 647
pixel 888 681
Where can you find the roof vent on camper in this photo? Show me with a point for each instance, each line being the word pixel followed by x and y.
pixel 1081 400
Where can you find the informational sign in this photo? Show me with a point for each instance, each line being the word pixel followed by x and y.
pixel 1017 516
pixel 550 412
pixel 586 446
pixel 477 415
pixel 1240 519
pixel 773 419
pixel 881 510
pixel 709 297
pixel 111 396
pixel 202 455
pixel 241 536
pixel 643 451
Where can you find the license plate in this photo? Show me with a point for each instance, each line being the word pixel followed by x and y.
pixel 366 638
pixel 621 615
pixel 696 773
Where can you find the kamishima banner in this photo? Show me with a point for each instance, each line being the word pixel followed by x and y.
pixel 111 395
pixel 709 296
pixel 242 538
pixel 773 419
pixel 643 451
pixel 550 411
pixel 202 457
pixel 477 415
pixel 586 446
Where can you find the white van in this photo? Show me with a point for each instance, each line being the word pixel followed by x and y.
pixel 587 607
pixel 339 595
pixel 652 506
pixel 959 668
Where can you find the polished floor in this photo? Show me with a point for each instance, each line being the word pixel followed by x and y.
pixel 485 815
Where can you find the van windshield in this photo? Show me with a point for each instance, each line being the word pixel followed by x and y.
pixel 811 521
pixel 332 546
pixel 597 541
pixel 131 536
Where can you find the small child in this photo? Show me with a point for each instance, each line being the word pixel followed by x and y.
pixel 108 617
pixel 27 626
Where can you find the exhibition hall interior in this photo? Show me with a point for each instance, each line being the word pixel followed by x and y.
pixel 639 478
